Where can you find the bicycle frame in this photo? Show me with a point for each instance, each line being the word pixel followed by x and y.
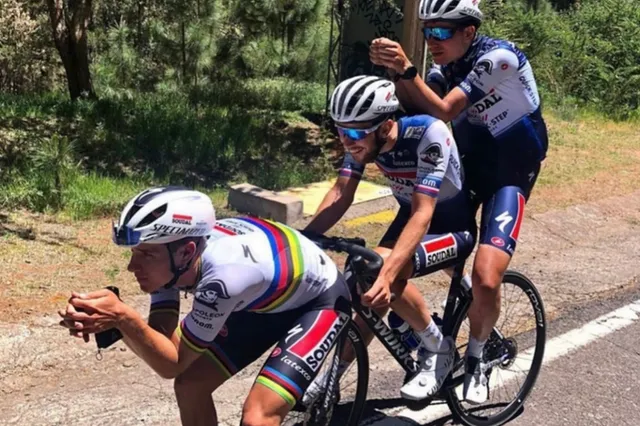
pixel 457 299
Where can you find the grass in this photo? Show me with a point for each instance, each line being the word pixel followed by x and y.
pixel 586 155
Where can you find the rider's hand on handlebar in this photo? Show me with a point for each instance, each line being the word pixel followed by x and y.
pixel 379 295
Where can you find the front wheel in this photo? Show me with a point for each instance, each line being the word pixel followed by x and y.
pixel 514 352
pixel 341 402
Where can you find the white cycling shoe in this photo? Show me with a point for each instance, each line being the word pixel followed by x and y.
pixel 435 367
pixel 476 384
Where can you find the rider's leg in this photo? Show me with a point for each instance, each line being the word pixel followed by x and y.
pixel 264 407
pixel 193 389
pixel 502 217
pixel 290 371
pixel 489 267
pixel 409 305
pixel 243 339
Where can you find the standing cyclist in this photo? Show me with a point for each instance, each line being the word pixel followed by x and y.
pixel 486 88
pixel 255 283
pixel 418 156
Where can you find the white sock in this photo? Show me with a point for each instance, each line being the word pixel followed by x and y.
pixel 475 347
pixel 431 337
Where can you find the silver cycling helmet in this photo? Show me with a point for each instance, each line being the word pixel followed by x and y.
pixel 363 98
pixel 450 10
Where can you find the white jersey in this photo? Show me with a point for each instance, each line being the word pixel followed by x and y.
pixel 424 159
pixel 498 81
pixel 249 264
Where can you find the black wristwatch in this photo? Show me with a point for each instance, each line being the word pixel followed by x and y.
pixel 409 74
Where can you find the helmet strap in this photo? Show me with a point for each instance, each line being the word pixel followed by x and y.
pixel 178 272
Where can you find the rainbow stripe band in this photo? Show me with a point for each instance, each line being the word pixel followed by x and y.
pixel 288 265
pixel 285 394
pixel 165 306
pixel 212 351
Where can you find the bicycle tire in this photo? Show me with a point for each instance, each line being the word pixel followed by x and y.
pixel 451 397
pixel 354 336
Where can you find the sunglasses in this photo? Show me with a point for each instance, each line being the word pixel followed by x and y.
pixel 357 134
pixel 438 33
pixel 125 236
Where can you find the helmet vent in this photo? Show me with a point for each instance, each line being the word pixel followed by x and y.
pixel 151 217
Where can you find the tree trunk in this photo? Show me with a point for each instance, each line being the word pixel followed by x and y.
pixel 184 52
pixel 69 22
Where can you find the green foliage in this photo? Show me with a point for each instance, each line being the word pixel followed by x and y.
pixel 589 54
pixel 128 142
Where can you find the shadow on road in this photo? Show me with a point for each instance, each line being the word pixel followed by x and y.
pixel 373 416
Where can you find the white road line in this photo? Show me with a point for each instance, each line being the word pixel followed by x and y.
pixel 555 348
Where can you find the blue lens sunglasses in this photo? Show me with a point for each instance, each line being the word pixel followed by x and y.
pixel 438 33
pixel 357 134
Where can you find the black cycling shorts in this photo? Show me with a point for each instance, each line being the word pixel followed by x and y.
pixel 303 335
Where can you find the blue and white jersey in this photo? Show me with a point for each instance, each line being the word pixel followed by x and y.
pixel 424 159
pixel 499 83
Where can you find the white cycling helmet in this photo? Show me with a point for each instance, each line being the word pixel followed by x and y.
pixel 363 98
pixel 164 214
pixel 450 10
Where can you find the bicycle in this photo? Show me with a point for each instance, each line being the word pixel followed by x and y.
pixel 500 354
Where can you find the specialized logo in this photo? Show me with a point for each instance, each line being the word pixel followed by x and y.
pixel 385 108
pixel 432 154
pixel 504 219
pixel 176 230
pixel 209 293
pixel 181 219
pixel 440 249
pixel 293 332
pixel 314 345
pixel 247 253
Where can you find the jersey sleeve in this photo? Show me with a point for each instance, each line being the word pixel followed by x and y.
pixel 165 301
pixel 351 168
pixel 491 68
pixel 436 76
pixel 216 296
pixel 434 151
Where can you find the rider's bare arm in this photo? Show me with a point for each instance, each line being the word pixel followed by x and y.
pixel 215 299
pixel 166 355
pixel 163 322
pixel 334 204
pixel 434 154
pixel 426 100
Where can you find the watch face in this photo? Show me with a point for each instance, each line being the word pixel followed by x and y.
pixel 410 73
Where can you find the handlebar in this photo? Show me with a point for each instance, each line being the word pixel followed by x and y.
pixel 352 246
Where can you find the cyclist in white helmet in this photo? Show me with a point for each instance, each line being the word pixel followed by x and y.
pixel 486 88
pixel 255 283
pixel 419 157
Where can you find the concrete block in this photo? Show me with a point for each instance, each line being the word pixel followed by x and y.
pixel 247 198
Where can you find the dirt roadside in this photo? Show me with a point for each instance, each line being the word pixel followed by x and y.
pixel 574 255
